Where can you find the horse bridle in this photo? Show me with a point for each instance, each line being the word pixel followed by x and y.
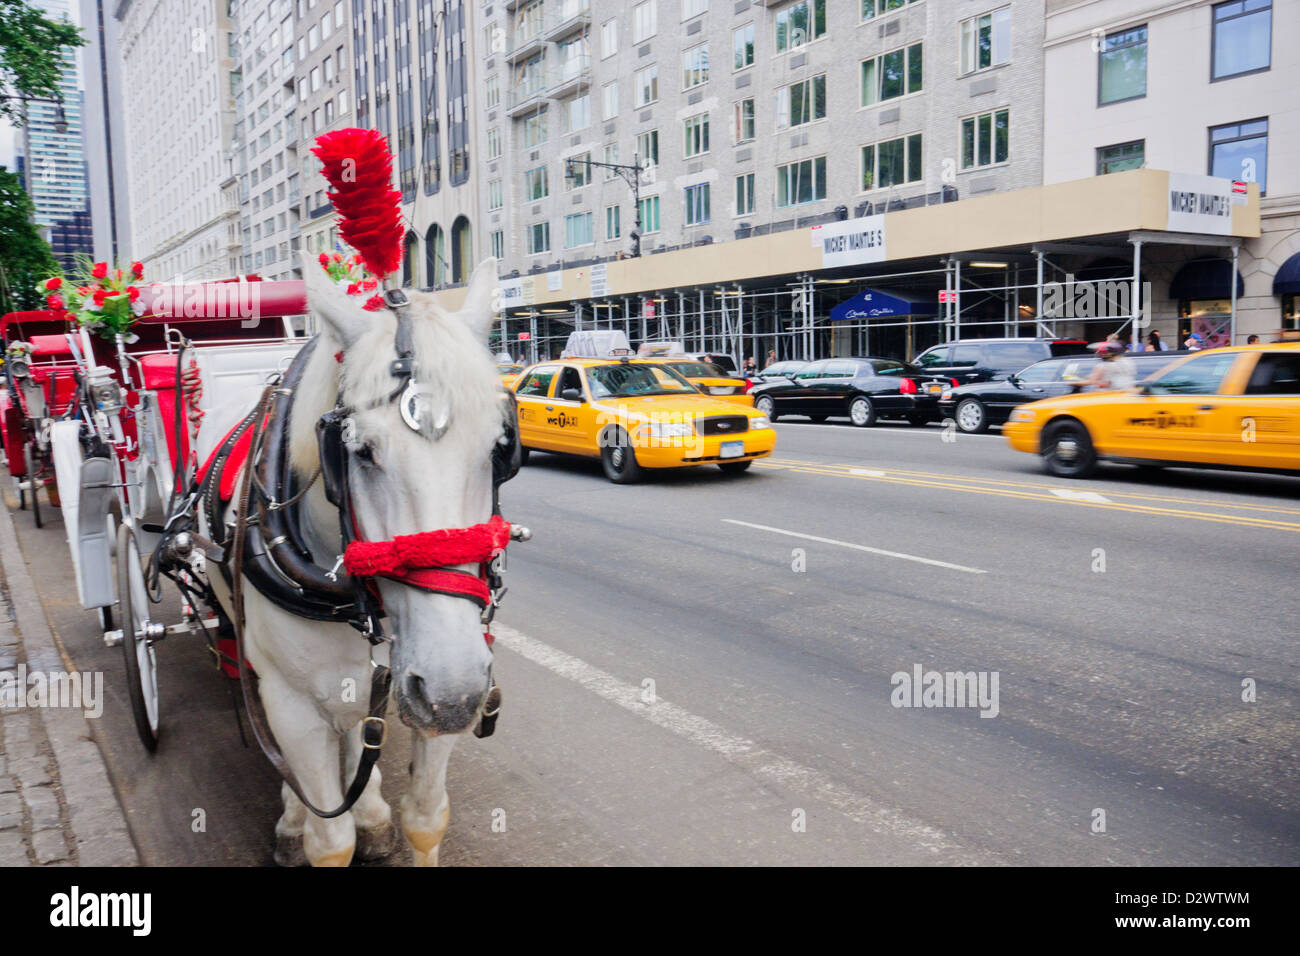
pixel 424 560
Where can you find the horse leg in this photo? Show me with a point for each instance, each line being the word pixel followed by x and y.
pixel 311 748
pixel 289 829
pixel 374 818
pixel 425 807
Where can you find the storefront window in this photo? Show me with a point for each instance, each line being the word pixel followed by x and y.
pixel 1291 311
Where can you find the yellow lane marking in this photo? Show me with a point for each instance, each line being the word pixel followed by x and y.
pixel 1164 499
pixel 1241 520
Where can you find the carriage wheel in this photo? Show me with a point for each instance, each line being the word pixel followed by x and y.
pixel 137 646
pixel 30 460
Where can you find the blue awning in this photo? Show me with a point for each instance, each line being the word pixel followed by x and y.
pixel 874 304
pixel 1287 279
pixel 1205 279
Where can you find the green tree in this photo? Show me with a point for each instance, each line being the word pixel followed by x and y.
pixel 25 257
pixel 31 55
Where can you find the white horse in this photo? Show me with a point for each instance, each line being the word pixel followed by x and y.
pixel 314 677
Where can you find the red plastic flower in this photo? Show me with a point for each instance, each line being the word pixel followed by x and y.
pixel 137 269
pixel 132 293
pixel 54 302
pixel 53 285
pixel 117 275
pixel 353 288
pixel 373 304
pixel 369 285
pixel 99 296
pixel 324 260
pixel 338 257
pixel 100 270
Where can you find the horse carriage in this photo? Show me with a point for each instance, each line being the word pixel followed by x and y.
pixel 40 389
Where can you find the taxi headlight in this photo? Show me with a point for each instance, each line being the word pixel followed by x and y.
pixel 758 422
pixel 1023 415
pixel 668 430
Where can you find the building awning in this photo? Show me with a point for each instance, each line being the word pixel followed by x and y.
pixel 1287 279
pixel 874 304
pixel 1205 279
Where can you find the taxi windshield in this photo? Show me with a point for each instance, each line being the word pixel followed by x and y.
pixel 625 381
pixel 697 369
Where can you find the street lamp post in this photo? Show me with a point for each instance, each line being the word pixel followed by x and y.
pixel 631 174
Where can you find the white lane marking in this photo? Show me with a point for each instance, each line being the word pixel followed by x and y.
pixel 772 768
pixel 867 472
pixel 1069 494
pixel 859 547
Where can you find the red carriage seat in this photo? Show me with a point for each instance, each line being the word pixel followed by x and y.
pixel 158 372
pixel 50 346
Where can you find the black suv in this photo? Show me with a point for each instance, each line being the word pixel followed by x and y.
pixel 988 360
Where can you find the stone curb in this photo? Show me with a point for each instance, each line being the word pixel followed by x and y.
pixel 98 823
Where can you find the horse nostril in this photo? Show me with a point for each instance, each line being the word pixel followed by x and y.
pixel 415 691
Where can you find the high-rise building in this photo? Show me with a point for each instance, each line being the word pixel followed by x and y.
pixel 103 129
pixel 179 83
pixel 53 162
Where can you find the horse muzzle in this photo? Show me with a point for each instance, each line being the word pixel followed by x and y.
pixel 434 710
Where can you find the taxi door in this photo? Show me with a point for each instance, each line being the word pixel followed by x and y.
pixel 532 394
pixel 1270 411
pixel 1192 414
pixel 567 421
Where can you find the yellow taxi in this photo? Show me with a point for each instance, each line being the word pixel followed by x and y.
pixel 509 374
pixel 1220 408
pixel 710 380
pixel 634 415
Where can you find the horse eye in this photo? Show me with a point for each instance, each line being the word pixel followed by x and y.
pixel 366 453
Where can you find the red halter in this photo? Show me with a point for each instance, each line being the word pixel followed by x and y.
pixel 426 560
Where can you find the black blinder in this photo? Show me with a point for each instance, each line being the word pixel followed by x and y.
pixel 508 454
pixel 333 456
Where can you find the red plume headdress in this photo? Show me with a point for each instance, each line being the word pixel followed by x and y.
pixel 359 165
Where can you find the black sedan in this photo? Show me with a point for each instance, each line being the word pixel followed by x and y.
pixel 977 406
pixel 861 389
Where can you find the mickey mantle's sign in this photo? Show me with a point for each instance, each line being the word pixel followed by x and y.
pixel 851 242
pixel 1200 204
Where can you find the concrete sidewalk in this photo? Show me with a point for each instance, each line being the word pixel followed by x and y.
pixel 57 804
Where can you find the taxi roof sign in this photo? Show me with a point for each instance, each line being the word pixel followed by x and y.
pixel 597 343
pixel 660 349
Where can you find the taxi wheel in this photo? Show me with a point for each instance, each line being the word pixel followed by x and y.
pixel 619 460
pixel 766 406
pixel 734 467
pixel 971 417
pixel 1068 451
pixel 861 412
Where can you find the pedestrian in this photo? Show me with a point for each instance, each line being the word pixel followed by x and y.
pixel 771 358
pixel 750 367
pixel 1252 340
pixel 1115 370
pixel 1195 342
pixel 1155 343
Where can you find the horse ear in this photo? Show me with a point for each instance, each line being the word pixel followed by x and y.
pixel 341 314
pixel 479 308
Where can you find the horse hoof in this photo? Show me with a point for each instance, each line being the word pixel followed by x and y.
pixel 376 843
pixel 289 851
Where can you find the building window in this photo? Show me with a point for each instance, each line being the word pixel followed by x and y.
pixel 611 157
pixel 577 230
pixel 892 74
pixel 577 113
pixel 1243 38
pixel 693 8
pixel 491 92
pixel 742 46
pixel 643 21
pixel 892 163
pixel 1121 156
pixel 984 139
pixel 1122 68
pixel 496 195
pixel 578 170
pixel 878 8
pixel 745 194
pixel 800 23
pixel 612 226
pixel 608 38
pixel 1240 151
pixel 647 147
pixel 539 238
pixel 801 103
pixel 696 138
pixel 647 85
pixel 695 66
pixel 498 244
pixel 343 101
pixel 494 143
pixel 535 129
pixel 697 204
pixel 801 182
pixel 649 210
pixel 536 184
pixel 609 100
pixel 743 126
pixel 986 41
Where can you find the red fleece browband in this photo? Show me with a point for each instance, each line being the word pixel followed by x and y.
pixel 408 554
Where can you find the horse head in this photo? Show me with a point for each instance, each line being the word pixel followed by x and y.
pixel 419 458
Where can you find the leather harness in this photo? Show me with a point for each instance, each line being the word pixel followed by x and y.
pixel 264 541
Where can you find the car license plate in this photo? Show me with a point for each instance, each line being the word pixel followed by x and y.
pixel 936 389
pixel 732 449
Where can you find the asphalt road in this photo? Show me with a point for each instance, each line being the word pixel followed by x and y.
pixel 697 670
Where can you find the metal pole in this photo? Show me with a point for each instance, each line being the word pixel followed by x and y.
pixel 1232 321
pixel 957 317
pixel 1038 308
pixel 1136 297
